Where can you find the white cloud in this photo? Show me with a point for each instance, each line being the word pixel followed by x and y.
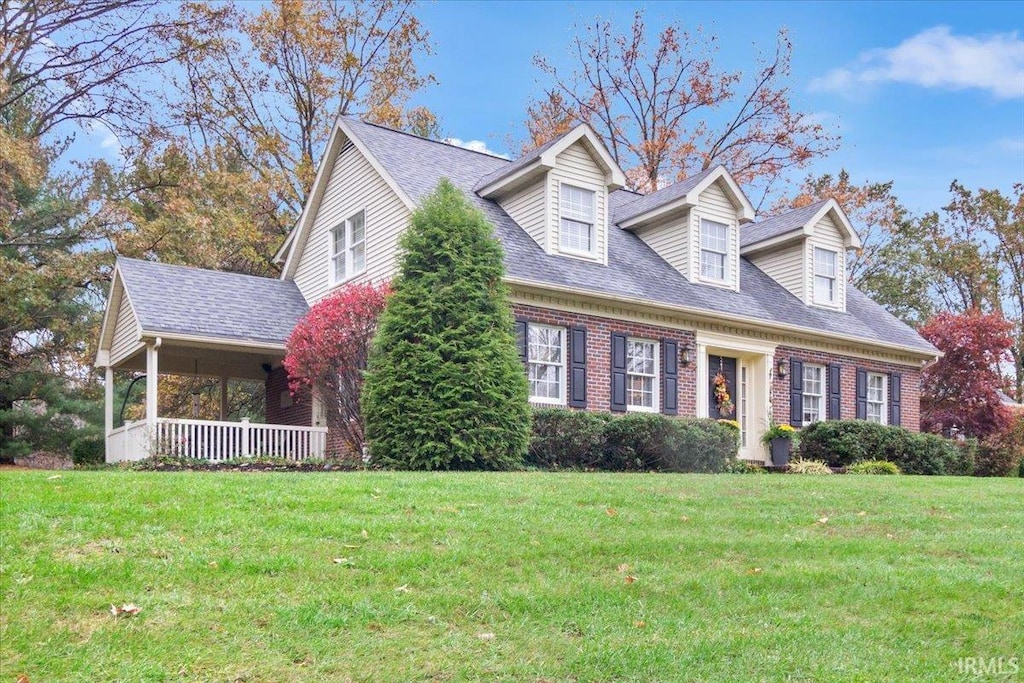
pixel 101 135
pixel 476 146
pixel 935 58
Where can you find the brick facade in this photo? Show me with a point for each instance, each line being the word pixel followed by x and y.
pixel 282 407
pixel 599 335
pixel 910 392
pixel 600 329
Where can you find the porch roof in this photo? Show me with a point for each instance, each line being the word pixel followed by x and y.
pixel 174 299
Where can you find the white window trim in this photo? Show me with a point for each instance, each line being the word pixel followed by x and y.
pixel 822 397
pixel 345 225
pixel 655 406
pixel 578 219
pixel 727 280
pixel 814 277
pixel 885 397
pixel 563 384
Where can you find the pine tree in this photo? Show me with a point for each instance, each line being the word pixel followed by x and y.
pixel 445 388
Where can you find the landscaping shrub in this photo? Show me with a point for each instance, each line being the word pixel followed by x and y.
pixel 88 449
pixel 841 443
pixel 1003 454
pixel 744 467
pixel 873 467
pixel 445 387
pixel 801 466
pixel 967 453
pixel 570 439
pixel 645 441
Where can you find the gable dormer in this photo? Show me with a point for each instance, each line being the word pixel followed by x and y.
pixel 804 250
pixel 694 225
pixel 559 192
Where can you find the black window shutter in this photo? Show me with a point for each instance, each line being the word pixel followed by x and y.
pixel 521 340
pixel 618 404
pixel 862 394
pixel 796 392
pixel 578 368
pixel 670 377
pixel 895 380
pixel 835 391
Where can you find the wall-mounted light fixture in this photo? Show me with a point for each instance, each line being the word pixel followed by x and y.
pixel 684 356
pixel 780 369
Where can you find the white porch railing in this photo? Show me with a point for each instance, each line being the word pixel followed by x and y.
pixel 215 441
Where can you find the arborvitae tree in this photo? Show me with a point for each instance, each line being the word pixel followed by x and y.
pixel 445 388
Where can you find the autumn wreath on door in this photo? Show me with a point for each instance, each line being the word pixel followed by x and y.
pixel 722 398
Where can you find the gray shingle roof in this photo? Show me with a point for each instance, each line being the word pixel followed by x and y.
pixel 514 166
pixel 208 303
pixel 779 225
pixel 663 196
pixel 634 270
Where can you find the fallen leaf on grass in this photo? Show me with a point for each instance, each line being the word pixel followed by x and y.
pixel 341 560
pixel 823 520
pixel 755 570
pixel 622 567
pixel 640 623
pixel 22 678
pixel 684 518
pixel 630 578
pixel 350 546
pixel 404 588
pixel 212 565
pixel 128 609
pixel 862 514
pixel 485 636
pixel 51 478
pixel 611 512
pixel 365 534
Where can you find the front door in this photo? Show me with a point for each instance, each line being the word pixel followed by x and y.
pixel 726 367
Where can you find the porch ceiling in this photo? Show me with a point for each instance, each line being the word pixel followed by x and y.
pixel 207 360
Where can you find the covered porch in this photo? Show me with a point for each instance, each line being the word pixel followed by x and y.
pixel 164 320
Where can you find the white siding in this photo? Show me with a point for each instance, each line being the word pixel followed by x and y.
pixel 527 208
pixel 125 341
pixel 353 186
pixel 671 240
pixel 576 167
pixel 827 235
pixel 714 204
pixel 786 266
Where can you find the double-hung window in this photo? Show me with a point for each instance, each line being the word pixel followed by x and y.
pixel 814 393
pixel 641 374
pixel 576 213
pixel 825 276
pixel 546 363
pixel 714 250
pixel 348 248
pixel 877 390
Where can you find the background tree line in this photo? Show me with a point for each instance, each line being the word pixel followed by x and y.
pixel 221 112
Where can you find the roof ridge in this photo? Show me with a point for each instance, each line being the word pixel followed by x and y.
pixel 431 140
pixel 164 264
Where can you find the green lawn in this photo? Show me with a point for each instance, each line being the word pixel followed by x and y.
pixel 518 577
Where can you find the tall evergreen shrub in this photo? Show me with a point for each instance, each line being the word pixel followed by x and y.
pixel 445 387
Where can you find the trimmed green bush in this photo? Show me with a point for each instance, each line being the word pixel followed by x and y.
pixel 841 443
pixel 569 439
pixel 745 467
pixel 647 441
pixel 873 467
pixel 802 466
pixel 89 449
pixel 445 388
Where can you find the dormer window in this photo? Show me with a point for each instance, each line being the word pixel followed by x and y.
pixel 714 251
pixel 576 215
pixel 348 248
pixel 825 268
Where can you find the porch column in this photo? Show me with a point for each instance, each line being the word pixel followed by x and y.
pixel 152 374
pixel 108 400
pixel 223 399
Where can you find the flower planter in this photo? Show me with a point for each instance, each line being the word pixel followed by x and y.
pixel 780 448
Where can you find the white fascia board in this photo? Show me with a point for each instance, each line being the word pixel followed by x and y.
pixel 747 213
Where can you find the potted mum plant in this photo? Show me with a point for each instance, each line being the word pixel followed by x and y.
pixel 779 439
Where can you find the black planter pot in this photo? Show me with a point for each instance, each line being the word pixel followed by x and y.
pixel 780 448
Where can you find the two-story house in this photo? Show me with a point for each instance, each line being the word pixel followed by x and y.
pixel 624 302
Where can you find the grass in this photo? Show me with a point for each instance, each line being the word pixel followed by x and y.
pixel 506 577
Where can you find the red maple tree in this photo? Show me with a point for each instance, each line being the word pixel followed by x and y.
pixel 960 392
pixel 327 353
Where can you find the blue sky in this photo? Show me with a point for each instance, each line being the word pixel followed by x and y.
pixel 921 93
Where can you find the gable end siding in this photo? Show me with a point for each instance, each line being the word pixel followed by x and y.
pixel 827 236
pixel 785 266
pixel 671 241
pixel 575 167
pixel 126 332
pixel 714 204
pixel 353 186
pixel 527 207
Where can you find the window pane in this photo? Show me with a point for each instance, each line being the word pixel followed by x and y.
pixel 712 265
pixel 357 223
pixel 824 262
pixel 338 263
pixel 824 289
pixel 714 236
pixel 338 237
pixel 577 203
pixel 359 257
pixel 576 235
